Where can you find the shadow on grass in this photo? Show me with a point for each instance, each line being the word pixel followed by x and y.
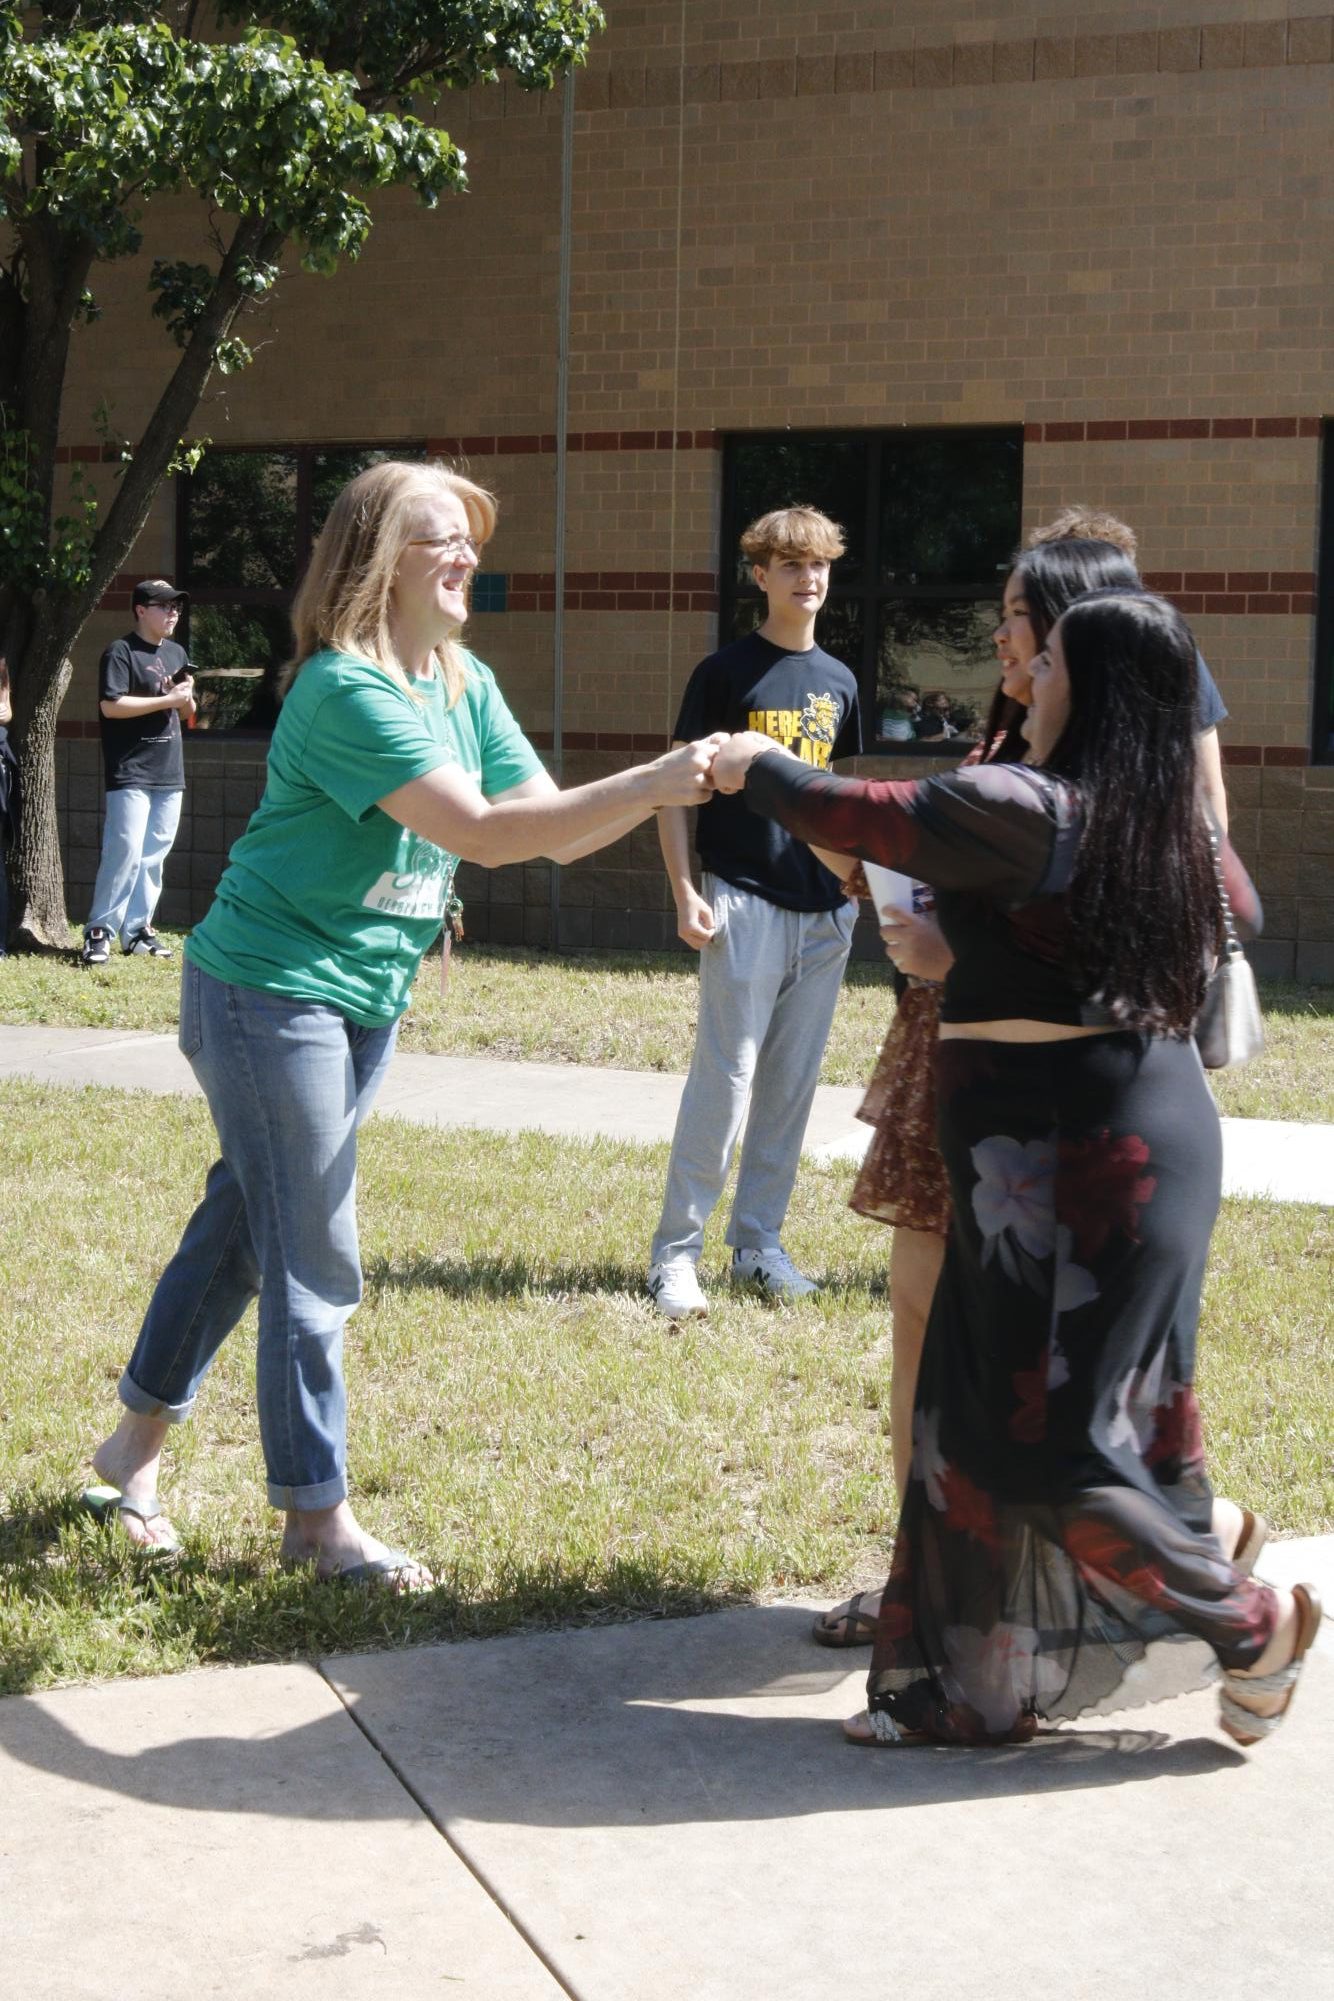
pixel 498 1277
pixel 24 945
pixel 79 1601
pixel 1296 997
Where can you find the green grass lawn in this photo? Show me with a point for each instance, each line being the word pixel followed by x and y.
pixel 519 1415
pixel 637 1011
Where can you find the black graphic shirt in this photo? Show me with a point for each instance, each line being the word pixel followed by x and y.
pixel 141 751
pixel 808 703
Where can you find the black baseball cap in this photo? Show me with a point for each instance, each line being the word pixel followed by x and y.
pixel 156 590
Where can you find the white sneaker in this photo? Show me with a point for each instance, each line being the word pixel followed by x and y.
pixel 773 1272
pixel 674 1289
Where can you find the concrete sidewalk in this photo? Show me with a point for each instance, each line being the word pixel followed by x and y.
pixel 1263 1157
pixel 657 1811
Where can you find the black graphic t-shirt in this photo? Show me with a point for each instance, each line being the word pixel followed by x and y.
pixel 808 703
pixel 143 751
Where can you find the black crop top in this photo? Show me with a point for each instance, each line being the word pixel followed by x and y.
pixel 997 842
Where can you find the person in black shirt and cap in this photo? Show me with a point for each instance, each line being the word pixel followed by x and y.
pixel 145 686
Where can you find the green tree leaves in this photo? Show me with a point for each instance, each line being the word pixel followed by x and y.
pixel 282 120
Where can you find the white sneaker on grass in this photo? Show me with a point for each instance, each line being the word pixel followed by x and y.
pixel 675 1290
pixel 771 1271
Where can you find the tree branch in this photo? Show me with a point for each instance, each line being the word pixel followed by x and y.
pixel 253 242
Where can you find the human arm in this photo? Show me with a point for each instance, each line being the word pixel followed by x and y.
pixel 6 706
pixel 843 866
pixel 1247 911
pixel 993 827
pixel 1209 775
pixel 181 695
pixel 543 786
pixel 915 944
pixel 447 807
pixel 694 916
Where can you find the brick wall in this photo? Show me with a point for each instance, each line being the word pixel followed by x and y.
pixel 1118 237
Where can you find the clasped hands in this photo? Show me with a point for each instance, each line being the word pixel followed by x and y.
pixel 716 763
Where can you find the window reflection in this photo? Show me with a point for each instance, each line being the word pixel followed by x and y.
pixel 795 470
pixel 935 671
pixel 237 651
pixel 246 523
pixel 932 518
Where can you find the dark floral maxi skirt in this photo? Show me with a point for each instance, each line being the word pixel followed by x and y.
pixel 1054 1552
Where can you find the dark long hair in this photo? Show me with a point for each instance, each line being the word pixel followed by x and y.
pixel 1053 575
pixel 1143 902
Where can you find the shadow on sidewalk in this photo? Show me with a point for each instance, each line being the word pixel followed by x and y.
pixel 637 1726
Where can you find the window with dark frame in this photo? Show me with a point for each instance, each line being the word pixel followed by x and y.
pixel 1322 724
pixel 245 524
pixel 931 518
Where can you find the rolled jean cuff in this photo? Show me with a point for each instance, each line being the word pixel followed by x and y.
pixel 144 1405
pixel 326 1495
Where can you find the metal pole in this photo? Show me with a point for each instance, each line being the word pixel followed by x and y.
pixel 562 453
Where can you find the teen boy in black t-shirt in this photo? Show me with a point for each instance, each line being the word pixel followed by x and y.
pixel 144 688
pixel 771 924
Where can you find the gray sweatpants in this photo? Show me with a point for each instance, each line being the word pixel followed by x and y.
pixel 768 984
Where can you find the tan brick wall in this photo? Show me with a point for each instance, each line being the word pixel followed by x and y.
pixel 981 211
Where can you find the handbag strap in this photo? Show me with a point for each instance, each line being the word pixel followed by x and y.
pixel 1231 942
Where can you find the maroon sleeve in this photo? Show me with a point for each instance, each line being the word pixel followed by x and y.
pixel 990 828
pixel 1246 907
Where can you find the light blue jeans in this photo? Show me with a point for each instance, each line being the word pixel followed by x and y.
pixel 137 834
pixel 288 1083
pixel 768 985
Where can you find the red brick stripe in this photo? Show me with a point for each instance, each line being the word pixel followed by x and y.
pixel 1240 593
pixel 1066 431
pixel 496 445
pixel 1118 430
pixel 535 590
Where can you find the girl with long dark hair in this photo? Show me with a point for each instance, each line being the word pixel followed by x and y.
pixel 902 1179
pixel 1057 1523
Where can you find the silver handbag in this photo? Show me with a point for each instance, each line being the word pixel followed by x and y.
pixel 1228 1029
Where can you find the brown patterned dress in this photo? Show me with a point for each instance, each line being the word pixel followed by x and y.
pixel 902 1180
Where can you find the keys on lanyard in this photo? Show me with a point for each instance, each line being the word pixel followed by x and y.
pixel 453 931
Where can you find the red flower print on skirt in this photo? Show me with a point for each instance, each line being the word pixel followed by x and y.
pixel 1101 1187
pixel 969 1509
pixel 1177 1432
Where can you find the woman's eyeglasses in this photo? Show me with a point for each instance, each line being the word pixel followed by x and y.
pixel 448 545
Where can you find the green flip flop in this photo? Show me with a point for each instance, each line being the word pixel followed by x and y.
pixel 110 1507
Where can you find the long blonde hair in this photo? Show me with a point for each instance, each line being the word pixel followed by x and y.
pixel 343 601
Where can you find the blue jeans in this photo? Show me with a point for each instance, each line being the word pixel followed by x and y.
pixel 137 834
pixel 288 1083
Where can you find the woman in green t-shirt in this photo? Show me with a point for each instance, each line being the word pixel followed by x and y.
pixel 394 755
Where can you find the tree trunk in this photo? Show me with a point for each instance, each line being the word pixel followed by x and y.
pixel 36 881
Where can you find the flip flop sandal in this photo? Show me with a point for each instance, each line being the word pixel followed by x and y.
pixel 378 1571
pixel 1243 1725
pixel 110 1507
pixel 887 1735
pixel 851 1628
pixel 382 1570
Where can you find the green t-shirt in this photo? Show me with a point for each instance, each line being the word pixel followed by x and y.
pixel 325 898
